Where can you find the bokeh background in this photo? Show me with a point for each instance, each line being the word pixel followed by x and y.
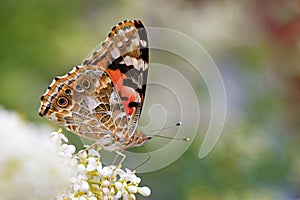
pixel 256 45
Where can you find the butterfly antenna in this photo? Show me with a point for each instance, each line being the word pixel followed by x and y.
pixel 166 137
pixel 167 127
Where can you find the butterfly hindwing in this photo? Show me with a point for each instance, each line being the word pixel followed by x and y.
pixel 85 102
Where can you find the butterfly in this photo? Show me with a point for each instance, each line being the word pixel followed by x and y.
pixel 102 99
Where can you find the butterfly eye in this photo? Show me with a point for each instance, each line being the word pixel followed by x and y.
pixel 86 84
pixel 62 102
pixel 68 92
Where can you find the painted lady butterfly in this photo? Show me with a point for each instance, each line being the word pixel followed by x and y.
pixel 102 98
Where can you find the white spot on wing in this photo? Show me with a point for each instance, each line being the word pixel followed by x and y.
pixel 135 41
pixel 135 62
pixel 99 72
pixel 113 98
pixel 127 30
pixel 92 103
pixel 146 65
pixel 127 60
pixel 120 44
pixel 109 44
pixel 144 43
pixel 53 116
pixel 115 53
pixel 103 53
pixel 97 84
pixel 121 32
pixel 141 64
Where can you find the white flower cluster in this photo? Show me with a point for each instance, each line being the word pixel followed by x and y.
pixel 32 167
pixel 94 181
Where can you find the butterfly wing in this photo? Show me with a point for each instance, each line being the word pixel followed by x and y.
pixel 124 56
pixel 86 102
pixel 102 99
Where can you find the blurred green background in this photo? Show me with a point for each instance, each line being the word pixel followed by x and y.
pixel 255 44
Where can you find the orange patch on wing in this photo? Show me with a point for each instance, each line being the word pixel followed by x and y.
pixel 117 78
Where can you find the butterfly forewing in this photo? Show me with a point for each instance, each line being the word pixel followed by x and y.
pixel 124 56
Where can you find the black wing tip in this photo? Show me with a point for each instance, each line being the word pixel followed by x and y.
pixel 137 23
pixel 40 114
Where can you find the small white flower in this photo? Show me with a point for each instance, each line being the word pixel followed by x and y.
pixel 91 164
pixel 81 169
pixel 105 190
pixel 57 137
pixel 105 183
pixel 82 155
pixel 105 172
pixel 145 191
pixel 94 153
pixel 119 185
pixel 76 187
pixel 84 187
pixel 67 151
pixel 132 189
pixel 118 195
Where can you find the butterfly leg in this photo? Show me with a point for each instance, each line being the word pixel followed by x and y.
pixel 90 147
pixel 123 158
pixel 115 159
pixel 119 153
